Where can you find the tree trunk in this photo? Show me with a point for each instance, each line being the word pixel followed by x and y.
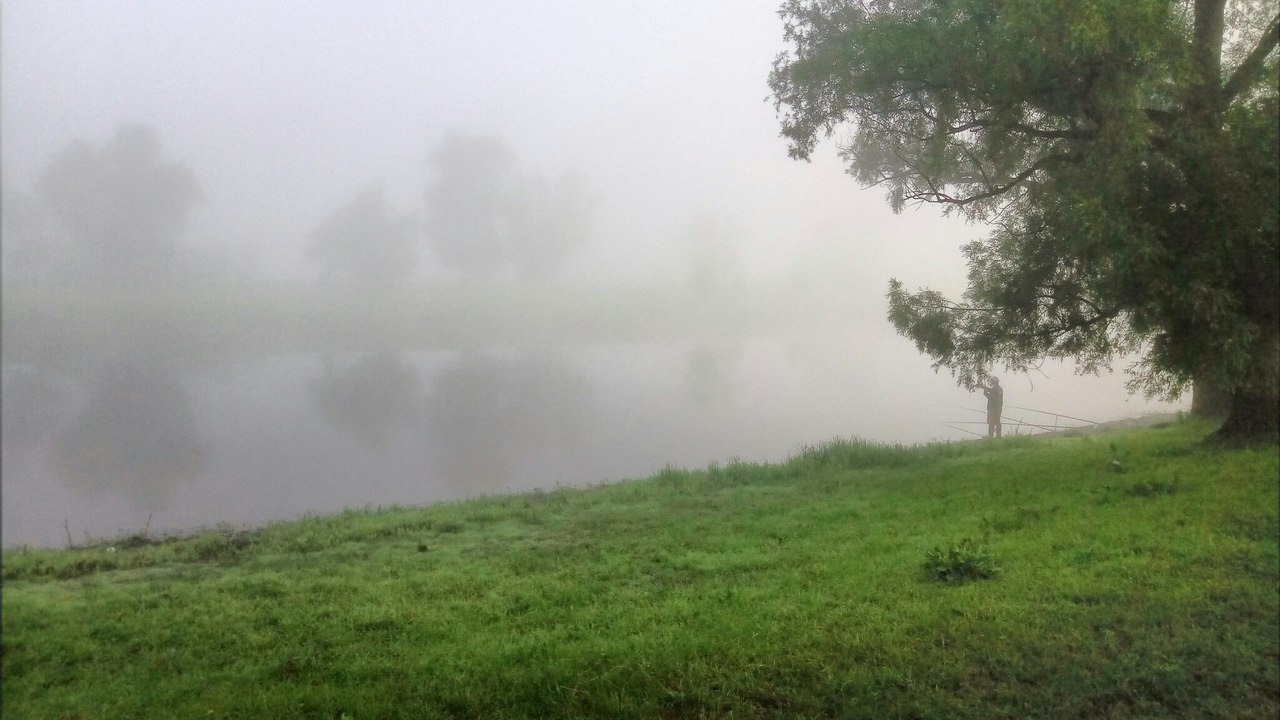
pixel 1253 418
pixel 1210 399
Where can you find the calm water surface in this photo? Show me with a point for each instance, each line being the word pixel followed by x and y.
pixel 107 446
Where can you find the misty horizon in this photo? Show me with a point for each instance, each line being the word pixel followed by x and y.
pixel 260 262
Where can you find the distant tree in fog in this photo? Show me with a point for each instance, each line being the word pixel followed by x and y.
pixel 469 204
pixel 366 241
pixel 121 204
pixel 485 217
pixel 551 219
pixel 34 251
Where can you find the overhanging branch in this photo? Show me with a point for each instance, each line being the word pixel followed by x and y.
pixel 1244 74
pixel 934 195
pixel 1021 128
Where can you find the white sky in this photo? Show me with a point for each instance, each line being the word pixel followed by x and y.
pixel 285 110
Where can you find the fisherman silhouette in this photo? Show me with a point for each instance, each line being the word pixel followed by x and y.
pixel 995 405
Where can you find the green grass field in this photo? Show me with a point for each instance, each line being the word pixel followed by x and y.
pixel 1129 574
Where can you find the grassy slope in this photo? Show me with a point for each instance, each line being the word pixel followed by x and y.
pixel 744 591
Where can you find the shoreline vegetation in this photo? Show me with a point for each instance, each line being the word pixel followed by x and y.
pixel 216 318
pixel 1124 574
pixel 243 533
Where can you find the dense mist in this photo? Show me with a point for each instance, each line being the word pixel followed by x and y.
pixel 264 260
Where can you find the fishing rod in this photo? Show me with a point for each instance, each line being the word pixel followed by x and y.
pixel 953 427
pixel 1042 412
pixel 1013 423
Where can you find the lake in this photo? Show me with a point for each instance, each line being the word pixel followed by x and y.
pixel 153 428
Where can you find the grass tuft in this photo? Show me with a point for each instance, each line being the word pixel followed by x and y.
pixel 960 562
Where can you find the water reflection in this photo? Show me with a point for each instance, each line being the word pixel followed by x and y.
pixel 32 407
pixel 373 399
pixel 493 421
pixel 135 436
pixel 711 373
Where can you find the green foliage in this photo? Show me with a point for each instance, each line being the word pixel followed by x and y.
pixel 1128 173
pixel 960 562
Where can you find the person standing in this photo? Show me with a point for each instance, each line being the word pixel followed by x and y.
pixel 995 405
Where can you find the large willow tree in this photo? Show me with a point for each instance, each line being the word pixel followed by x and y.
pixel 1123 152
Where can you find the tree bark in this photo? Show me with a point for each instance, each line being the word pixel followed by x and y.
pixel 1210 399
pixel 1253 418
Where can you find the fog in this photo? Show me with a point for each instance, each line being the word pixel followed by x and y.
pixel 269 259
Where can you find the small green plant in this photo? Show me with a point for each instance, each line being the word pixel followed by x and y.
pixel 960 562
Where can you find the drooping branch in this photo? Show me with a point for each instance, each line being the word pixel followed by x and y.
pixel 1082 323
pixel 1021 128
pixel 957 307
pixel 1244 74
pixel 1163 118
pixel 1071 134
pixel 967 338
pixel 1099 315
pixel 934 195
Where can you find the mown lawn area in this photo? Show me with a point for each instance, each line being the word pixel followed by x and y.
pixel 1129 574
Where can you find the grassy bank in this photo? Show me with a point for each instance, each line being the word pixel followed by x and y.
pixel 1132 574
